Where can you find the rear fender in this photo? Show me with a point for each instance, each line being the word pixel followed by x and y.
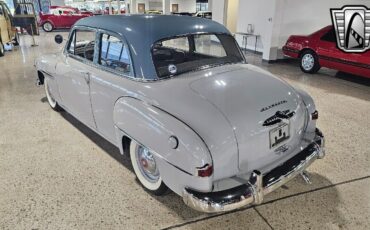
pixel 153 127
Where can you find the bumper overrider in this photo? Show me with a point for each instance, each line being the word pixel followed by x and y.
pixel 258 185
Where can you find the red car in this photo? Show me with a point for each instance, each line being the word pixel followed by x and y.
pixel 61 17
pixel 320 50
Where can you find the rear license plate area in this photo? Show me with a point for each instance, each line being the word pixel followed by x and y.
pixel 279 135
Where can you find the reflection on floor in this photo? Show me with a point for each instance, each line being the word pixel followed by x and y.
pixel 56 173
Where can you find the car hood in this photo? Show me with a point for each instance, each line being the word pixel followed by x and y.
pixel 227 107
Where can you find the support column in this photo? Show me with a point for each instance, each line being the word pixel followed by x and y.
pixel 133 7
pixel 166 4
pixel 210 3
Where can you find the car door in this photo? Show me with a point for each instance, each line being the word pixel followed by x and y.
pixel 108 81
pixel 74 74
pixel 332 57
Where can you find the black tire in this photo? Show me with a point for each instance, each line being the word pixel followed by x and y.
pixel 51 101
pixel 47 27
pixel 2 50
pixel 16 39
pixel 155 186
pixel 309 62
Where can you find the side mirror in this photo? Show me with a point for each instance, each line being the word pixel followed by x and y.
pixel 58 39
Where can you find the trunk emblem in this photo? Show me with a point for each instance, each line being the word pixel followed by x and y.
pixel 278 117
pixel 273 105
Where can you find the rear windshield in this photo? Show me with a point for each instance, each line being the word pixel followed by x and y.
pixel 179 55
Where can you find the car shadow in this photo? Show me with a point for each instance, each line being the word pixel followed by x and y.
pixel 174 202
pixel 170 200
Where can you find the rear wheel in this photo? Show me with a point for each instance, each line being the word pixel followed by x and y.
pixel 309 62
pixel 47 27
pixel 2 50
pixel 146 169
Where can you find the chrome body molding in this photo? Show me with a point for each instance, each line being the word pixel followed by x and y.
pixel 259 185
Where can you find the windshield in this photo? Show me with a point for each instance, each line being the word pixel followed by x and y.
pixel 194 52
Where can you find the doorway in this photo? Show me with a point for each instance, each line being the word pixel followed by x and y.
pixel 175 8
pixel 141 8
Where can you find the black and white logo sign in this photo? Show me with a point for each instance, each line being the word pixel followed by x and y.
pixel 172 69
pixel 352 26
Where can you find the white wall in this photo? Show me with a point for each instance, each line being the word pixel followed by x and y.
pixel 258 14
pixel 218 11
pixel 185 5
pixel 57 3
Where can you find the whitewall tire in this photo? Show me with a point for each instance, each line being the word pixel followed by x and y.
pixel 47 27
pixel 146 169
pixel 49 96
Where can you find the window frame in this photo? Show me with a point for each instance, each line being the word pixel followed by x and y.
pixel 68 44
pixel 100 34
pixel 158 78
pixel 94 63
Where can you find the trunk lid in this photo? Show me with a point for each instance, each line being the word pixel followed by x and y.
pixel 253 100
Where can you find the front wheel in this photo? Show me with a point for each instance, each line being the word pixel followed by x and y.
pixel 47 27
pixel 309 62
pixel 146 169
pixel 52 102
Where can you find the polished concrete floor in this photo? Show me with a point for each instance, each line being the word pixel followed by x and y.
pixel 57 174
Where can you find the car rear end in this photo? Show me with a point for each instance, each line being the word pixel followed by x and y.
pixel 294 45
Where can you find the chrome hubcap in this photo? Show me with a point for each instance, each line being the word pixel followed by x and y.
pixel 47 26
pixel 308 62
pixel 147 164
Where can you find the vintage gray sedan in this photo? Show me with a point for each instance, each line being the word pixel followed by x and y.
pixel 176 94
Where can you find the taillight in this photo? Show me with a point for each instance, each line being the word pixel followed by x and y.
pixel 205 171
pixel 315 115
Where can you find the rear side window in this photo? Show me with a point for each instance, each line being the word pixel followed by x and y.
pixel 329 36
pixel 114 54
pixel 209 45
pixel 82 44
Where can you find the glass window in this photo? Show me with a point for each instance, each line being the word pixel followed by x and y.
pixel 175 56
pixel 82 44
pixel 329 36
pixel 1 11
pixel 209 45
pixel 177 43
pixel 114 54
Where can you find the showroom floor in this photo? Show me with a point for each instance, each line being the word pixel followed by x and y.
pixel 57 174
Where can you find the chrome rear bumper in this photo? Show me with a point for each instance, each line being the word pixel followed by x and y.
pixel 259 185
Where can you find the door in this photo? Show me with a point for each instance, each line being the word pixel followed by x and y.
pixel 108 80
pixel 141 8
pixel 175 8
pixel 74 75
pixel 334 58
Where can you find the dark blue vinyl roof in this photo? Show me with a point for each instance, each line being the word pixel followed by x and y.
pixel 142 31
